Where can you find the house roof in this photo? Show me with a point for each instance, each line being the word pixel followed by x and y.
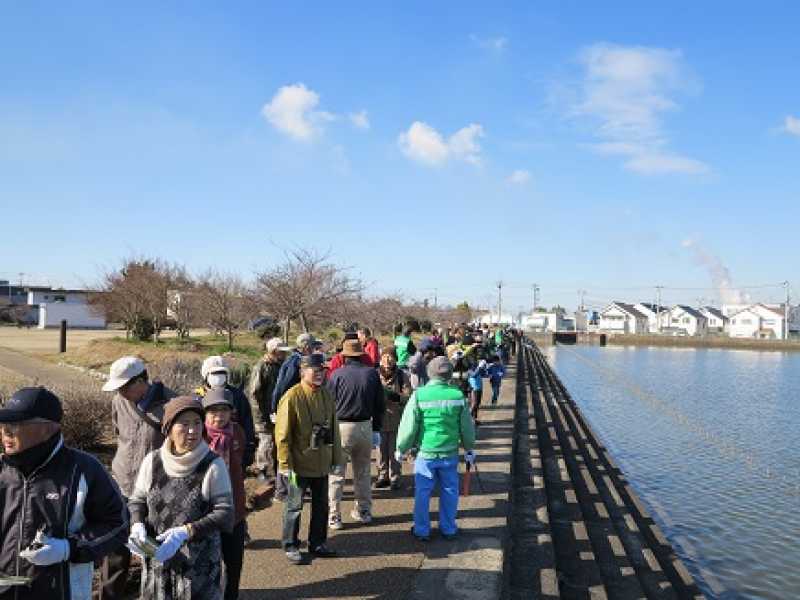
pixel 628 308
pixel 715 312
pixel 691 311
pixel 653 307
pixel 777 311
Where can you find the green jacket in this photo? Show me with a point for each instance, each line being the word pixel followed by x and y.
pixel 401 347
pixel 437 421
pixel 300 409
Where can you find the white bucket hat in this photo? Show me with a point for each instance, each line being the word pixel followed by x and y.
pixel 122 371
pixel 276 344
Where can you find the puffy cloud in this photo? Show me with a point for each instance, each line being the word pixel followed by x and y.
pixel 792 125
pixel 424 144
pixel 360 119
pixel 292 111
pixel 519 177
pixel 628 90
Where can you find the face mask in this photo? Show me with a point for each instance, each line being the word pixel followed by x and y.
pixel 217 379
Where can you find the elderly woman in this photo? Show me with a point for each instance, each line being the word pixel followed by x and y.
pixel 397 388
pixel 183 497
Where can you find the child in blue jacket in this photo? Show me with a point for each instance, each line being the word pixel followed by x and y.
pixel 496 371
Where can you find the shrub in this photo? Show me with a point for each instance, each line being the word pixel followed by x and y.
pixel 87 417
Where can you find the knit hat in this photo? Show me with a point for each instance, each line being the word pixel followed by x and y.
pixel 216 396
pixel 176 406
pixel 440 368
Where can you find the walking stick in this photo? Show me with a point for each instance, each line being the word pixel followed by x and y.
pixel 478 479
pixel 467 476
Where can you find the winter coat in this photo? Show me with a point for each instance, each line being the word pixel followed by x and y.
pixel 244 417
pixel 436 420
pixel 71 496
pixel 138 433
pixel 288 376
pixel 301 408
pixel 358 393
pixel 263 379
pixel 396 390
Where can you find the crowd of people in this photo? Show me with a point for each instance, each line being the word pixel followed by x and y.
pixel 175 494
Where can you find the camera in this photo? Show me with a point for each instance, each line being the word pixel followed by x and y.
pixel 321 435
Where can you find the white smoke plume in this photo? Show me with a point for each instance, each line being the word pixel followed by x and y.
pixel 719 273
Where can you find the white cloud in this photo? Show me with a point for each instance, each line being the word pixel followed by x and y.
pixel 495 44
pixel 424 144
pixel 292 111
pixel 360 119
pixel 628 90
pixel 519 177
pixel 792 125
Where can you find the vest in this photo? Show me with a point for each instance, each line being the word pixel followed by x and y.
pixel 401 346
pixel 441 407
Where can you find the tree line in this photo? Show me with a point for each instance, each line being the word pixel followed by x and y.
pixel 306 291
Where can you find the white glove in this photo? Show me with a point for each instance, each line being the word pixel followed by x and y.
pixel 399 456
pixel 171 541
pixel 337 470
pixel 469 457
pixel 52 551
pixel 376 439
pixel 137 535
pixel 273 417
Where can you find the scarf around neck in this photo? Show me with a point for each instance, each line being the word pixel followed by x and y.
pixel 221 441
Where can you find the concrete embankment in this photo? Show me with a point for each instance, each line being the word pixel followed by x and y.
pixel 577 528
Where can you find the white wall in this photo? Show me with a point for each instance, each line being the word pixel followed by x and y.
pixel 615 320
pixel 77 315
pixel 44 296
pixel 744 324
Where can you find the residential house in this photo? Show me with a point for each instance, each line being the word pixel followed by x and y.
pixel 688 319
pixel 716 321
pixel 652 311
pixel 620 317
pixel 551 321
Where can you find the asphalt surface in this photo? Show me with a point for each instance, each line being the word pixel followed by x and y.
pixel 382 560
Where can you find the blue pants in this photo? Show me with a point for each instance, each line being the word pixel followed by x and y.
pixel 427 472
pixel 495 390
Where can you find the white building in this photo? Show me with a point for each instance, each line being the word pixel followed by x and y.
pixel 50 306
pixel 687 319
pixel 651 311
pixel 550 322
pixel 758 321
pixel 716 320
pixel 619 317
pixel 495 319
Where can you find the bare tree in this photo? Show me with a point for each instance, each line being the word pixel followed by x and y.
pixel 224 303
pixel 306 287
pixel 182 302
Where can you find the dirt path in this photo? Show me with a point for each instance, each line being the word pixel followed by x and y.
pixel 40 370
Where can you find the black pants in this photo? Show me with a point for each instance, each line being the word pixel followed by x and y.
pixel 477 395
pixel 293 510
pixel 114 572
pixel 233 557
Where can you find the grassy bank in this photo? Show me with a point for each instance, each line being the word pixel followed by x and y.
pixel 704 342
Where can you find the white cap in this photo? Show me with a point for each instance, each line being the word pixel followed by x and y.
pixel 122 371
pixel 276 344
pixel 214 364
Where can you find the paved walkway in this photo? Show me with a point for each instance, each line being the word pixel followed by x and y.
pixel 382 560
pixel 46 372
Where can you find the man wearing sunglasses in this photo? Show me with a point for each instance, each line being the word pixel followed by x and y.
pixel 59 510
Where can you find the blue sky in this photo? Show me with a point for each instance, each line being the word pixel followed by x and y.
pixel 607 148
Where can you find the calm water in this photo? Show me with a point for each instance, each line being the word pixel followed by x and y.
pixel 709 440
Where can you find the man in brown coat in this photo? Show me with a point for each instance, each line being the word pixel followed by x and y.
pixel 136 412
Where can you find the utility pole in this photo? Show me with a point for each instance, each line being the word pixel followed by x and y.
pixel 581 295
pixel 435 297
pixel 535 288
pixel 786 312
pixel 658 307
pixel 499 301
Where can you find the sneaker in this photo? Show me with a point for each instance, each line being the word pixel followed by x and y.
pixel 362 517
pixel 335 522
pixel 382 483
pixel 449 536
pixel 322 551
pixel 420 538
pixel 293 556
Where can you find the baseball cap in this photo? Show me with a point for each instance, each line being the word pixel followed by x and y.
pixel 122 371
pixel 213 364
pixel 440 368
pixel 276 344
pixel 313 361
pixel 32 403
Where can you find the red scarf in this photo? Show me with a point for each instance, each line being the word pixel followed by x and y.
pixel 221 441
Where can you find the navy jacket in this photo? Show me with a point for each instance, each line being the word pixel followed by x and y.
pixel 288 376
pixel 359 394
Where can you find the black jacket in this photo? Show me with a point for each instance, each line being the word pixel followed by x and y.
pixel 359 394
pixel 71 496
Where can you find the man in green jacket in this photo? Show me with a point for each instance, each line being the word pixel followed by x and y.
pixel 309 448
pixel 437 421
